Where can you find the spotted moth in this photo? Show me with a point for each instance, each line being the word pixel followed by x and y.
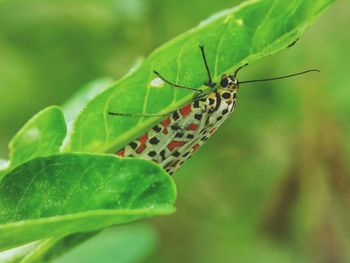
pixel 182 132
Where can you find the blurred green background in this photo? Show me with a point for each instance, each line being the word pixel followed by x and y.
pixel 273 185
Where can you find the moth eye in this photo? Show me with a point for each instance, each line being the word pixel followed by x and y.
pixel 224 82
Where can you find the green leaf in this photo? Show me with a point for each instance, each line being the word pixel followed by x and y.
pixel 76 103
pixel 48 249
pixel 231 38
pixel 123 244
pixel 126 244
pixel 3 167
pixel 2 173
pixel 42 135
pixel 15 255
pixel 3 164
pixel 59 195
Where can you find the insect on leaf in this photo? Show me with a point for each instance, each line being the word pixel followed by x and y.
pixel 243 34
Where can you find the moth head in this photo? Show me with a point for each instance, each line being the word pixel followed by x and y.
pixel 229 82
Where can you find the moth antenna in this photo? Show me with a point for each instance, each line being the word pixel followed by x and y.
pixel 283 77
pixel 239 69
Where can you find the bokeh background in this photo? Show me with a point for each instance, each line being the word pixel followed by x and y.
pixel 273 185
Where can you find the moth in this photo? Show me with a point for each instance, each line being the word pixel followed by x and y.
pixel 183 131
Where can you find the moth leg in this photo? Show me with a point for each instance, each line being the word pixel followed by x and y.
pixel 176 85
pixel 137 114
pixel 210 82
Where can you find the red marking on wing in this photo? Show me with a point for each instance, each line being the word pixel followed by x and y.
pixel 121 152
pixel 213 130
pixel 186 110
pixel 143 139
pixel 192 127
pixel 196 147
pixel 174 163
pixel 166 124
pixel 175 144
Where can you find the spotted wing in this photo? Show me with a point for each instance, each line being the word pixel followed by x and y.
pixel 174 140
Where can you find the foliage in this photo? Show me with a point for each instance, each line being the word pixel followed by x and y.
pixel 68 193
pixel 253 30
pixel 243 34
pixel 42 135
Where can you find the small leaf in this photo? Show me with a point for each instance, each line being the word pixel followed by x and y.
pixel 16 254
pixel 42 135
pixel 59 195
pixel 48 249
pixel 3 164
pixel 125 244
pixel 231 38
pixel 129 243
pixel 3 167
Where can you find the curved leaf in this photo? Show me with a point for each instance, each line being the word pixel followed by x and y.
pixel 69 193
pixel 128 244
pixel 15 255
pixel 239 35
pixel 4 165
pixel 42 135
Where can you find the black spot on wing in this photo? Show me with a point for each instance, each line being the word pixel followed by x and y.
pixel 196 104
pixel 152 153
pixel 198 116
pixel 176 115
pixel 190 136
pixel 186 154
pixel 179 135
pixel 175 127
pixel 226 95
pixel 154 140
pixel 157 128
pixel 176 154
pixel 133 145
pixel 225 111
pixel 162 155
pixel 211 101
